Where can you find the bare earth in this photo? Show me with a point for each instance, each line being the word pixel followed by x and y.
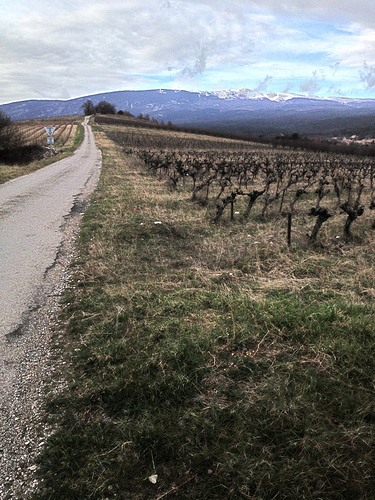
pixel 39 219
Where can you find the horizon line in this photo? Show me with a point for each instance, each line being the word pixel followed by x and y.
pixel 160 89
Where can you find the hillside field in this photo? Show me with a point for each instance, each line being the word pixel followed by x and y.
pixel 67 136
pixel 207 354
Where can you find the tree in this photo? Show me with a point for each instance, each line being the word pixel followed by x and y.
pixel 12 144
pixel 5 123
pixel 102 108
pixel 88 107
pixel 105 108
pixel 5 120
pixel 10 136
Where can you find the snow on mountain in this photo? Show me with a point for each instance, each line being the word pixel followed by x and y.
pixel 275 96
pixel 250 94
pixel 240 111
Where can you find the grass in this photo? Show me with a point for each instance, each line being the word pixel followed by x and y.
pixel 210 361
pixel 8 172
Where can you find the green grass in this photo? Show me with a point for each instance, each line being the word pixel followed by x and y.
pixel 230 371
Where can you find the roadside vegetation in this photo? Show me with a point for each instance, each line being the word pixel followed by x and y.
pixel 25 148
pixel 211 360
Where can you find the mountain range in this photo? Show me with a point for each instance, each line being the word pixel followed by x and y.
pixel 242 111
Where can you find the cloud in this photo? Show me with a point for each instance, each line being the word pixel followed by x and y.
pixel 77 48
pixel 199 65
pixel 328 11
pixel 262 86
pixel 114 41
pixel 288 88
pixel 367 75
pixel 334 67
pixel 311 86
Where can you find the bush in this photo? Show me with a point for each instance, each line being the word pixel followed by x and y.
pixel 102 108
pixel 12 149
pixel 21 155
pixel 105 108
pixel 10 136
pixel 88 107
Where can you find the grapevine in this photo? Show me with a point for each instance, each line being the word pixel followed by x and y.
pixel 319 184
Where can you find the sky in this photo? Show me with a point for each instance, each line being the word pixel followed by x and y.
pixel 63 49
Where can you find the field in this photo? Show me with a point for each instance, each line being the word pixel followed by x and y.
pixel 33 132
pixel 213 357
pixel 67 136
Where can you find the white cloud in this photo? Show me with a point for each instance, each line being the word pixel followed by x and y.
pixel 75 48
pixel 311 86
pixel 367 75
pixel 263 85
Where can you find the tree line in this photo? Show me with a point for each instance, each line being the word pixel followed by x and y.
pixel 102 108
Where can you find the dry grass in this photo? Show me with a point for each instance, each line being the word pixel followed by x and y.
pixel 212 356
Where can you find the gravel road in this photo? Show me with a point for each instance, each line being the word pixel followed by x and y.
pixel 39 219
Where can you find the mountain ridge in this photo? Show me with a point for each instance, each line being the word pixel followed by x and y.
pixel 239 111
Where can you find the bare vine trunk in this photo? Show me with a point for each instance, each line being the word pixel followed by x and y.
pixel 322 215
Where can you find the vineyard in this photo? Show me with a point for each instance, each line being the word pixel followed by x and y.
pixel 206 358
pixel 34 133
pixel 242 180
pixel 31 151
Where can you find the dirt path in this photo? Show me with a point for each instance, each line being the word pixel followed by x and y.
pixel 39 219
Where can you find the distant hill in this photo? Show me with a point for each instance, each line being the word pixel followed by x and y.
pixel 242 111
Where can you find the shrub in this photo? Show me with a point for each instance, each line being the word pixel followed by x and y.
pixel 21 155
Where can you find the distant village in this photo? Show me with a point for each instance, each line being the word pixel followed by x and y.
pixel 354 139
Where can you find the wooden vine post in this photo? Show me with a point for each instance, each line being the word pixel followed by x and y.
pixel 289 229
